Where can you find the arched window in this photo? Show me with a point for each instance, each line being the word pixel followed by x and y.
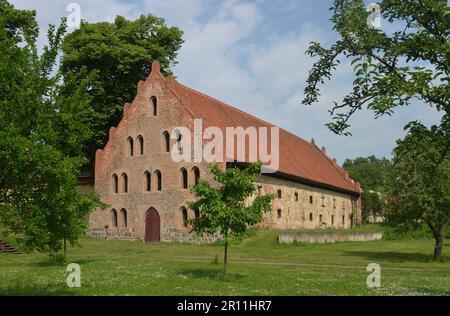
pixel 184 178
pixel 114 217
pixel 158 180
pixel 141 144
pixel 115 183
pixel 184 214
pixel 154 105
pixel 124 182
pixel 196 173
pixel 131 146
pixel 123 213
pixel 148 181
pixel 197 213
pixel 166 141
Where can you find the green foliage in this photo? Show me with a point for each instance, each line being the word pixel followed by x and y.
pixel 226 208
pixel 371 173
pixel 418 184
pixel 116 56
pixel 43 125
pixel 390 68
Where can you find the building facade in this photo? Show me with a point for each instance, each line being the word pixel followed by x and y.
pixel 147 190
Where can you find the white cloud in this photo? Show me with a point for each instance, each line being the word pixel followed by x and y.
pixel 250 54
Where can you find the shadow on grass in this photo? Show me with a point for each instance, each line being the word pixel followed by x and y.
pixel 391 256
pixel 35 290
pixel 210 274
pixel 51 263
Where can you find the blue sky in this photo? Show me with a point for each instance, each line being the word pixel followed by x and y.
pixel 250 54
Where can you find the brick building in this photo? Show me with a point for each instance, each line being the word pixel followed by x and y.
pixel 147 190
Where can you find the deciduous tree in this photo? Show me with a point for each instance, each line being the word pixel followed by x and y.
pixel 231 206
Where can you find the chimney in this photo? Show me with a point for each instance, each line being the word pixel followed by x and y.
pixel 324 150
pixel 335 161
pixel 313 141
pixel 155 66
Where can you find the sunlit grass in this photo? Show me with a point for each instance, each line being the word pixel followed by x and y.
pixel 258 266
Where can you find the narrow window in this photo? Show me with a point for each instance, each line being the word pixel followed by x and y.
pixel 311 199
pixel 197 214
pixel 114 217
pixel 279 213
pixel 184 213
pixel 158 180
pixel 184 178
pixel 141 145
pixel 323 201
pixel 196 172
pixel 131 146
pixel 310 216
pixel 166 140
pixel 115 183
pixel 343 205
pixel 154 105
pixel 279 194
pixel 320 218
pixel 334 202
pixel 125 182
pixel 148 181
pixel 124 217
pixel 343 219
pixel 332 219
pixel 296 196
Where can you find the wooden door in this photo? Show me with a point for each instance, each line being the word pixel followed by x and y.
pixel 152 226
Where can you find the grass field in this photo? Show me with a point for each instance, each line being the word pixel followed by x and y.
pixel 258 266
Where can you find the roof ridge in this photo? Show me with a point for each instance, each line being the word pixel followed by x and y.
pixel 241 111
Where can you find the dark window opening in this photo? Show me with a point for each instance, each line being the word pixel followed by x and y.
pixel 154 105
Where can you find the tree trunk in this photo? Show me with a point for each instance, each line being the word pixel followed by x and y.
pixel 225 257
pixel 65 248
pixel 438 235
pixel 438 248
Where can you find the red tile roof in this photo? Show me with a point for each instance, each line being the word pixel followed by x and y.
pixel 298 158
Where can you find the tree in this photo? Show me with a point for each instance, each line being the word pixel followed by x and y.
pixel 391 69
pixel 418 184
pixel 43 124
pixel 227 207
pixel 371 173
pixel 116 56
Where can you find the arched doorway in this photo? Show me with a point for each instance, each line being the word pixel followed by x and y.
pixel 152 226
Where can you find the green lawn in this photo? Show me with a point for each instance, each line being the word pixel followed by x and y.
pixel 258 266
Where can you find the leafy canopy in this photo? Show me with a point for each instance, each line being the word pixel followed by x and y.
pixel 390 68
pixel 226 207
pixel 43 124
pixel 116 56
pixel 418 184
